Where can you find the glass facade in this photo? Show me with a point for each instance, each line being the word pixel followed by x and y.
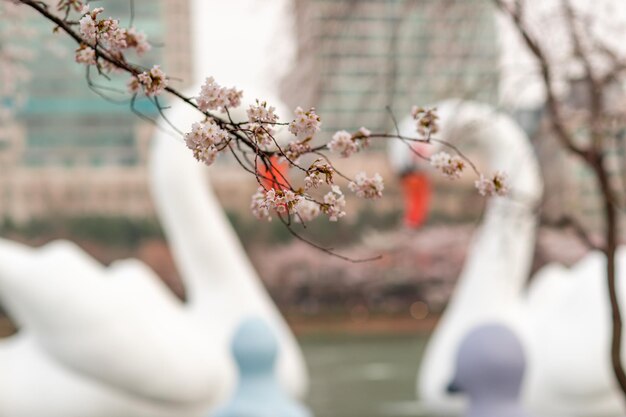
pixel 378 53
pixel 66 122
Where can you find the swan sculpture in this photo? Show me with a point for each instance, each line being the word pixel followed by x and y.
pixel 113 342
pixel 498 260
pixel 562 318
pixel 90 345
pixel 117 335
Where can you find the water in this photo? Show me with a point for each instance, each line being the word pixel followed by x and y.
pixel 371 376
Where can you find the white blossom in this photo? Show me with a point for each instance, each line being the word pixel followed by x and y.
pixel 213 96
pixel 88 27
pixel 283 201
pixel 152 82
pixel 294 150
pixel 364 132
pixel 426 120
pixel 306 123
pixel 364 187
pixel 262 119
pixel 343 144
pixel 450 166
pixel 203 140
pixel 85 55
pixel 317 174
pixel 111 33
pixel 334 204
pixel 262 113
pixel 137 40
pixel 259 206
pixel 307 210
pixel 494 185
pixel 362 137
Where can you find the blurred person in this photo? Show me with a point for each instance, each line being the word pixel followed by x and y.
pixel 410 162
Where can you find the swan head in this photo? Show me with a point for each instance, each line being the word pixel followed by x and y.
pixel 490 364
pixel 504 146
pixel 255 347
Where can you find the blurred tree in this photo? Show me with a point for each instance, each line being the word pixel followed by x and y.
pixel 576 48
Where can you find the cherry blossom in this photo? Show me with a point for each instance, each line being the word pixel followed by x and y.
pixel 364 187
pixel 450 166
pixel 204 139
pixel 343 144
pixel 294 150
pixel 307 210
pixel 282 201
pixel 213 96
pixel 426 120
pixel 262 119
pixel 137 40
pixel 334 204
pixel 306 124
pixel 85 55
pixel 317 174
pixel 152 82
pixel 494 185
pixel 102 42
pixel 259 206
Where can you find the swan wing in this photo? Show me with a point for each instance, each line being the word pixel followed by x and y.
pixel 134 337
pixel 33 383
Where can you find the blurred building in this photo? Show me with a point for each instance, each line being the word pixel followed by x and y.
pixel 356 57
pixel 70 151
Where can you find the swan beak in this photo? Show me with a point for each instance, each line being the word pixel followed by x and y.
pixel 453 388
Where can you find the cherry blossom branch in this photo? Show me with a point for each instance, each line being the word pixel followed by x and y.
pixel 254 143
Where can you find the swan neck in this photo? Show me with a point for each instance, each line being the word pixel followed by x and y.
pixel 205 247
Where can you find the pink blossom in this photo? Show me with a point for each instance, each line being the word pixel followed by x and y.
pixel 203 140
pixel 262 119
pixel 343 144
pixel 213 96
pixel 85 55
pixel 450 166
pixel 153 82
pixel 306 124
pixel 334 204
pixel 294 150
pixel 317 174
pixel 259 206
pixel 137 40
pixel 427 120
pixel 307 210
pixel 364 187
pixel 495 185
pixel 283 201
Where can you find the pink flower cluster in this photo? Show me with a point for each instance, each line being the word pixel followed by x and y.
pixel 107 33
pixel 152 82
pixel 364 187
pixel 105 38
pixel 318 173
pixel 346 144
pixel 215 97
pixel 306 124
pixel 497 184
pixel 262 119
pixel 204 139
pixel 334 204
pixel 307 210
pixel 294 150
pixel 427 120
pixel 450 166
pixel 265 201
